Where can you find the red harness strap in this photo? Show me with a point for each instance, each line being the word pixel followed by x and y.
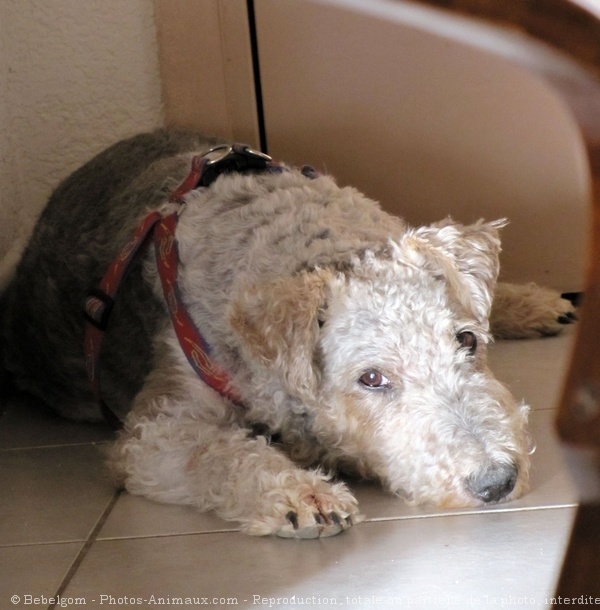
pixel 192 343
pixel 98 303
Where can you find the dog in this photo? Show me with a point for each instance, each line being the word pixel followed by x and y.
pixel 335 339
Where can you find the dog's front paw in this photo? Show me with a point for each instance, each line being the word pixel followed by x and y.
pixel 529 311
pixel 307 505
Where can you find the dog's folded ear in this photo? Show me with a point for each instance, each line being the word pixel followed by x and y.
pixel 277 324
pixel 472 250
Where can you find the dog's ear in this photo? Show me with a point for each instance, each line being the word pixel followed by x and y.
pixel 472 250
pixel 278 325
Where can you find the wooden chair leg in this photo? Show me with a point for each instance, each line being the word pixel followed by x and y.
pixel 579 582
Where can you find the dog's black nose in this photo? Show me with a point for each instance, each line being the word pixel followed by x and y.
pixel 493 483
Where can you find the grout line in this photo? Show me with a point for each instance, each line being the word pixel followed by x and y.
pixel 169 535
pixel 238 530
pixel 522 509
pixel 44 543
pixel 57 446
pixel 85 549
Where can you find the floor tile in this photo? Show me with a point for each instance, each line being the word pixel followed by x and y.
pixel 35 571
pixel 452 562
pixel 135 516
pixel 534 369
pixel 52 494
pixel 26 423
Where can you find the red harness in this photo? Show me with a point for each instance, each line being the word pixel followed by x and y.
pixel 161 230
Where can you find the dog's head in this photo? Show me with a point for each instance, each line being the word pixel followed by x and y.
pixel 388 358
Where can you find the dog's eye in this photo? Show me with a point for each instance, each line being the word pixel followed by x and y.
pixel 373 379
pixel 468 340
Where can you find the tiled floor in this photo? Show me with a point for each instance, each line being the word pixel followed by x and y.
pixel 64 532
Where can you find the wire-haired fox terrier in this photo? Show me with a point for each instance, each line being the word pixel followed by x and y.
pixel 270 329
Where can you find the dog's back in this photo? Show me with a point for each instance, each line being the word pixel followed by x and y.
pixel 87 220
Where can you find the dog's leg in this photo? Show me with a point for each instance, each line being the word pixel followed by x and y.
pixel 181 444
pixel 523 311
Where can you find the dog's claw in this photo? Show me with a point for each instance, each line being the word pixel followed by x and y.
pixel 320 519
pixel 576 298
pixel 292 517
pixel 335 518
pixel 566 319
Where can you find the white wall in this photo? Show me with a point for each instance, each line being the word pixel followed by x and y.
pixel 75 76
